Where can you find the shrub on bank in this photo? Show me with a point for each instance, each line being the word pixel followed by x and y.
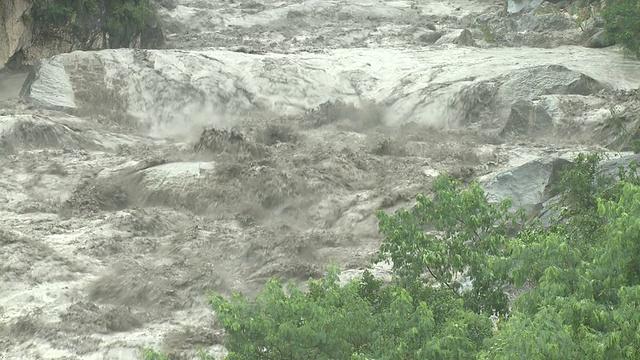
pixel 622 23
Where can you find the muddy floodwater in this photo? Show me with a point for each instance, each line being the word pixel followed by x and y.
pixel 258 144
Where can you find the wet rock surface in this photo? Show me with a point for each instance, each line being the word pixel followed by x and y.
pixel 528 118
pixel 260 142
pixel 529 185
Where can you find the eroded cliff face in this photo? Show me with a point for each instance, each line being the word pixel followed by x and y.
pixel 24 41
pixel 15 30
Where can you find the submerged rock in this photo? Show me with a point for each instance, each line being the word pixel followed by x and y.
pixel 599 40
pixel 32 131
pixel 428 37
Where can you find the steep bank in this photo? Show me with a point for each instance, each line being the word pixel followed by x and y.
pixel 32 30
pixel 15 33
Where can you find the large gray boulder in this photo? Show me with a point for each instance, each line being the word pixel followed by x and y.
pixel 529 185
pixel 528 118
pixel 48 84
pixel 599 40
pixel 461 37
pixel 535 81
pixel 541 23
pixel 532 100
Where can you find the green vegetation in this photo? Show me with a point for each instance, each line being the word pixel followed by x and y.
pixel 488 33
pixel 468 235
pixel 121 20
pixel 362 320
pixel 579 277
pixel 621 20
pixel 622 23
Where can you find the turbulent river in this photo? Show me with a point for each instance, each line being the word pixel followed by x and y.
pixel 259 143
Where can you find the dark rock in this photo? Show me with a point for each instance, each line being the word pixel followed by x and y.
pixel 152 37
pixel 548 80
pixel 599 40
pixel 529 185
pixel 527 118
pixel 428 37
pixel 465 38
pixel 610 167
pixel 461 37
pixel 543 22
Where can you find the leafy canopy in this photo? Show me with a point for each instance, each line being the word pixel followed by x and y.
pixel 361 320
pixel 456 233
pixel 622 24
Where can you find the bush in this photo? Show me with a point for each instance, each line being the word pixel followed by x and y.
pixel 622 23
pixel 585 304
pixel 467 236
pixel 362 320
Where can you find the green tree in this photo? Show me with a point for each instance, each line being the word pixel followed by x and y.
pixel 584 305
pixel 456 233
pixel 622 23
pixel 361 320
pixel 582 186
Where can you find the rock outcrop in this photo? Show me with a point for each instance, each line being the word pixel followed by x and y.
pixel 15 33
pixel 24 39
pixel 599 40
pixel 529 185
pixel 611 167
pixel 528 118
